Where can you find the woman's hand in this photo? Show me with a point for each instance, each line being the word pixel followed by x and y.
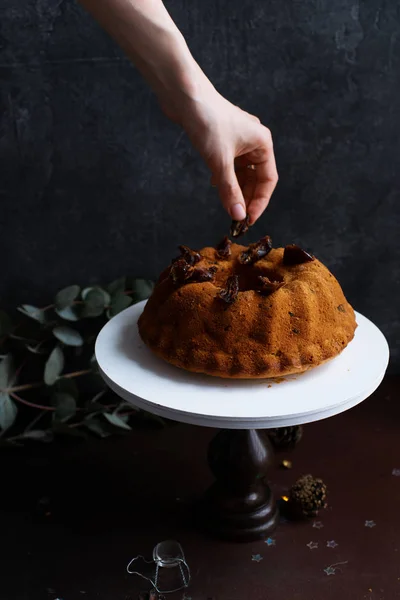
pixel 237 149
pixel 229 139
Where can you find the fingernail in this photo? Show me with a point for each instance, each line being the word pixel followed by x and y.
pixel 237 212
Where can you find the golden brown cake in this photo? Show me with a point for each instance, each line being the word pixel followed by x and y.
pixel 247 312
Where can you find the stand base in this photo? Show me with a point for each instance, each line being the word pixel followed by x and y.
pixel 234 526
pixel 239 506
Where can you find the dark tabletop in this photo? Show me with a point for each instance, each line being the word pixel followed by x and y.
pixel 72 515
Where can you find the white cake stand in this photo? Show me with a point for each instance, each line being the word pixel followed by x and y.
pixel 239 505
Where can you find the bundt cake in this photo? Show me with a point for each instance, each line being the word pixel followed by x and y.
pixel 247 312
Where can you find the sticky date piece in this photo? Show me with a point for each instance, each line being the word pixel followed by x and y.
pixel 180 271
pixel 224 248
pixel 230 293
pixel 202 274
pixel 190 256
pixel 256 251
pixel 267 287
pixel 294 255
pixel 239 228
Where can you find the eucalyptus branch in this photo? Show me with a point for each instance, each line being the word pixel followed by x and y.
pixel 39 384
pixel 77 373
pixel 81 302
pixel 52 408
pixel 30 404
pixel 31 425
pixel 25 386
pixel 47 341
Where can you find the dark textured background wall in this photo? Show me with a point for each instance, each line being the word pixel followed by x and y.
pixel 95 182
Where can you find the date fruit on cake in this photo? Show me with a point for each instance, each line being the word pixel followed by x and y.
pixel 247 312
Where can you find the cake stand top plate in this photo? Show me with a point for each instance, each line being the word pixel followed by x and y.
pixel 139 377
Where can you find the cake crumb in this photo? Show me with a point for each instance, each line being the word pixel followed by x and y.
pixel 279 379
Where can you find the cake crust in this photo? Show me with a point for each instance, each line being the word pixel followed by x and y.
pixel 285 318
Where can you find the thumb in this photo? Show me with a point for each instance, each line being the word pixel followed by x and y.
pixel 230 193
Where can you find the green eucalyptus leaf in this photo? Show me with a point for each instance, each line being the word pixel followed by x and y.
pixel 65 406
pixel 97 426
pixel 37 314
pixel 124 418
pixel 123 405
pixel 117 421
pixel 107 297
pixel 96 299
pixel 97 288
pixel 8 411
pixel 68 336
pixel 6 325
pixel 7 372
pixel 116 286
pixel 68 314
pixel 66 296
pixel 118 303
pixel 38 435
pixel 98 396
pixel 94 405
pixel 54 366
pixel 141 289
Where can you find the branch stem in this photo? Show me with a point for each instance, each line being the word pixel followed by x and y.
pixel 38 384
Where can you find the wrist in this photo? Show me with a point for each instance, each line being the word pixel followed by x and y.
pixel 181 85
pixel 184 100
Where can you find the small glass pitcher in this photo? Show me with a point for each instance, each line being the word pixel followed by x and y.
pixel 171 572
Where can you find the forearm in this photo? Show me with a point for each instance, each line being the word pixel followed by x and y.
pixel 221 132
pixel 148 35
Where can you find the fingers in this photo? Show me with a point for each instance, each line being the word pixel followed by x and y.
pixel 242 189
pixel 247 178
pixel 230 193
pixel 266 177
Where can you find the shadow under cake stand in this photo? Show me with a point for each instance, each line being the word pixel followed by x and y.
pixel 239 505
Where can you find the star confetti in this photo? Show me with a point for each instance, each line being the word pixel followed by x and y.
pixel 331 570
pixel 370 524
pixel 312 545
pixel 256 558
pixel 331 544
pixel 318 525
pixel 270 542
pixel 396 472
